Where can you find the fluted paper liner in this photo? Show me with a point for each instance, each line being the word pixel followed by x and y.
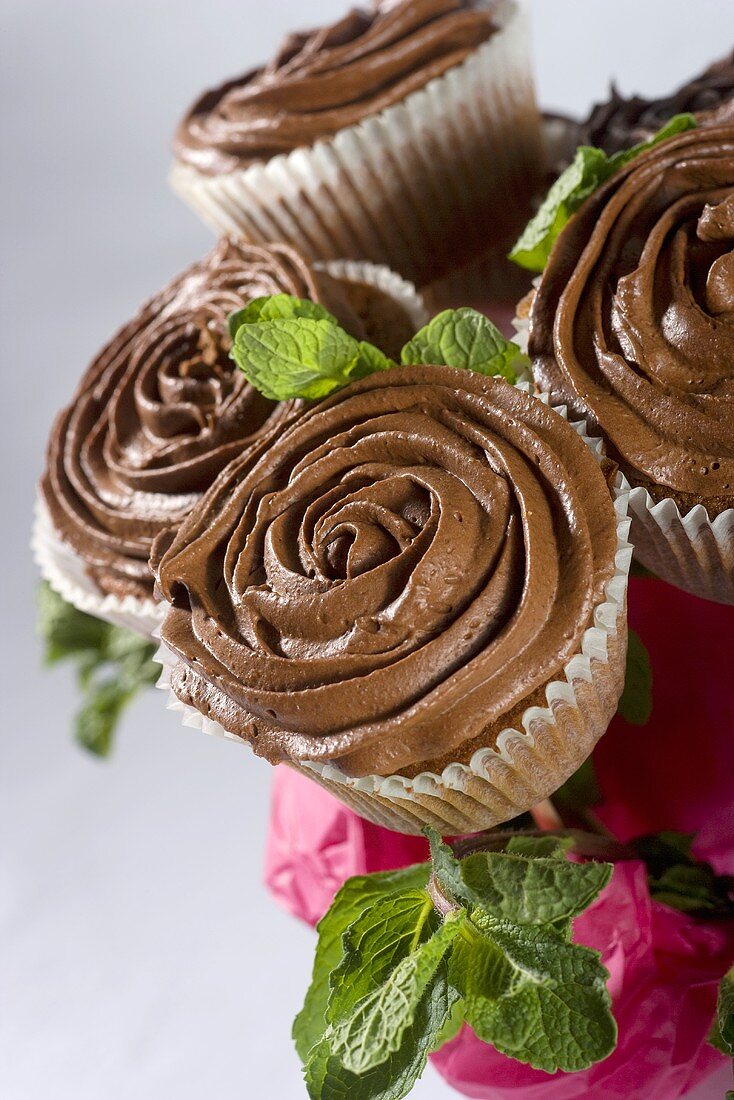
pixel 527 764
pixel 403 185
pixel 65 570
pixel 689 550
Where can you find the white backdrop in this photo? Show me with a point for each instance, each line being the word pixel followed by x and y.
pixel 140 956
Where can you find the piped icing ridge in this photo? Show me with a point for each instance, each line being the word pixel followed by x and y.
pixel 324 80
pixel 392 576
pixel 633 321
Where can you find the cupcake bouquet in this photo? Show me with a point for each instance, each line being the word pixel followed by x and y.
pixel 389 551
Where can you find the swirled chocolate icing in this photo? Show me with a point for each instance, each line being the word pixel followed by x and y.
pixel 324 80
pixel 633 321
pixel 162 409
pixel 388 581
pixel 620 123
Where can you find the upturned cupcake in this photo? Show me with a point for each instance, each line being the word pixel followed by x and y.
pixel 406 133
pixel 162 409
pixel 622 122
pixel 415 595
pixel 632 326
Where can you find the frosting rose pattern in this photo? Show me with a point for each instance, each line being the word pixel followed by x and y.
pixel 394 575
pixel 324 80
pixel 633 321
pixel 162 410
pixel 621 123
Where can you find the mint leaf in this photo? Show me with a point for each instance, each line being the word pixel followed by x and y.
pixel 534 997
pixel 635 704
pixel 356 897
pixel 65 631
pixel 587 171
pixel 549 847
pixel 375 943
pixel 297 357
pixel 447 868
pixel 393 1079
pixel 376 1029
pixel 590 168
pixel 722 1034
pixel 371 359
pixel 274 307
pixel 533 890
pixel 112 665
pixel 678 124
pixel 466 339
pixel 678 879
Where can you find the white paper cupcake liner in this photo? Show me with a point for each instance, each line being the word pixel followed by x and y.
pixel 400 186
pixel 527 764
pixel 66 572
pixel 382 278
pixel 691 550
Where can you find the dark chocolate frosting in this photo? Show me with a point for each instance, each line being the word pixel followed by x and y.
pixel 162 409
pixel 620 123
pixel 390 577
pixel 324 80
pixel 633 322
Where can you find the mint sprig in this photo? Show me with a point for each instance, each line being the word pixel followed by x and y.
pixel 590 168
pixel 293 348
pixel 403 959
pixel 112 665
pixel 678 879
pixel 274 307
pixel 722 1033
pixel 466 339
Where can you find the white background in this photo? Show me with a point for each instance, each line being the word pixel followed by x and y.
pixel 141 957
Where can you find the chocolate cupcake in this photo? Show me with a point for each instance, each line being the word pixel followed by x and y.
pixel 405 134
pixel 632 326
pixel 162 409
pixel 415 594
pixel 620 123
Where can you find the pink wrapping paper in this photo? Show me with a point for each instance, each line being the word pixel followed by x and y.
pixel 675 773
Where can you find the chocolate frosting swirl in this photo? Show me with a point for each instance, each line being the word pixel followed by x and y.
pixel 324 80
pixel 620 123
pixel 633 321
pixel 389 581
pixel 162 409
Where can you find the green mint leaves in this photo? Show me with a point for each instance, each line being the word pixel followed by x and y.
pixel 302 357
pixel 677 878
pixel 722 1034
pixel 276 307
pixel 292 348
pixel 466 339
pixel 635 704
pixel 589 169
pixel 112 665
pixel 402 961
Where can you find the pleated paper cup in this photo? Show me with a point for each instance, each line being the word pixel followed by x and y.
pixel 67 574
pixel 383 278
pixel 527 763
pixel 423 186
pixel 690 550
